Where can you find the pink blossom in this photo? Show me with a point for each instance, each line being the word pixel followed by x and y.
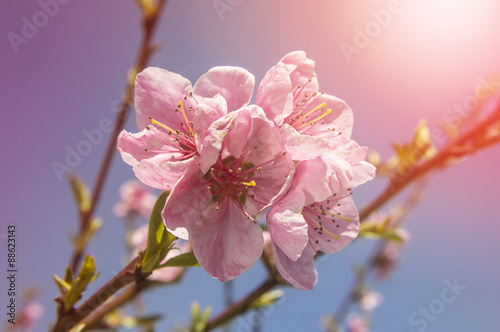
pixel 173 117
pixel 217 209
pixel 357 323
pixel 309 218
pixel 135 198
pixel 370 300
pixel 139 241
pixel 313 124
pixel 389 254
pixel 29 314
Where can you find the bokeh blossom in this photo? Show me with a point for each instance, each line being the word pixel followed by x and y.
pixel 358 323
pixel 29 314
pixel 135 199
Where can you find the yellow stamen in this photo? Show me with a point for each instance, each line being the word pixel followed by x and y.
pixel 328 111
pixel 185 117
pixel 153 121
pixel 338 216
pixel 249 184
pixel 322 229
pixel 315 109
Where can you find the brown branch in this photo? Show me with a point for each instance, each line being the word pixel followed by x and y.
pixel 130 293
pixel 146 49
pixel 453 150
pixel 130 273
pixel 242 305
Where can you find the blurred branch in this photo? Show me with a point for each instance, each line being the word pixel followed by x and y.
pixel 465 144
pixel 94 321
pixel 242 305
pixel 150 20
pixel 69 319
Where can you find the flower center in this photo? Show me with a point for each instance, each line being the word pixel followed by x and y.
pixel 317 214
pixel 305 113
pixel 183 137
pixel 232 178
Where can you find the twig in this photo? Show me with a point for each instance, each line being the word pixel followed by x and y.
pixel 145 52
pixel 129 274
pixel 130 293
pixel 453 150
pixel 242 305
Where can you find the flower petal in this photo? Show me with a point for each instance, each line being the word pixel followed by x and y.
pixel 301 70
pixel 181 210
pixel 235 84
pixel 225 242
pixel 340 118
pixel 150 153
pixel 346 230
pixel 287 226
pixel 302 147
pixel 362 172
pixel 311 177
pixel 157 95
pixel 210 129
pixel 275 94
pixel 299 273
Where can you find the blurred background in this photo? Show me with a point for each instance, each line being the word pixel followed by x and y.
pixel 66 76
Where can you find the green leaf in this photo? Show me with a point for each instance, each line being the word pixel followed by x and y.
pixel 146 321
pixel 78 328
pixel 182 260
pixel 78 286
pixel 80 193
pixel 62 285
pixel 68 275
pixel 199 321
pixel 267 299
pixel 159 239
pixel 376 230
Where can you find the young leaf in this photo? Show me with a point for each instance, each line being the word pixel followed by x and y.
pixel 267 299
pixel 78 286
pixel 159 239
pixel 68 275
pixel 80 192
pixel 199 320
pixel 62 285
pixel 182 260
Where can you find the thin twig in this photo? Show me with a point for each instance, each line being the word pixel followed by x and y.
pixel 145 52
pixel 242 305
pixel 129 274
pixel 439 160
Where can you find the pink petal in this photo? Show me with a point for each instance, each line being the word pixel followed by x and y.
pixel 225 242
pixel 235 84
pixel 302 147
pixel 299 273
pixel 340 173
pixel 347 230
pixel 210 129
pixel 157 95
pixel 301 70
pixel 287 227
pixel 362 172
pixel 150 153
pixel 181 210
pixel 340 118
pixel 275 94
pixel 311 177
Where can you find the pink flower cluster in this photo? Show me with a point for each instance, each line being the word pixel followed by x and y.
pixel 226 160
